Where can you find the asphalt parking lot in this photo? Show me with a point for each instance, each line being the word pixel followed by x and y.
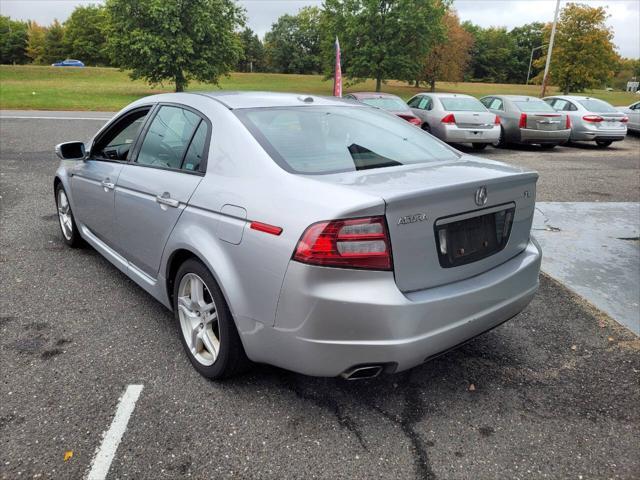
pixel 551 394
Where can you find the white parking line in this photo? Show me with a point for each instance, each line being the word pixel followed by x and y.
pixel 112 437
pixel 23 117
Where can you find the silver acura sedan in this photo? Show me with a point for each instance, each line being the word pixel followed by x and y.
pixel 310 233
pixel 456 118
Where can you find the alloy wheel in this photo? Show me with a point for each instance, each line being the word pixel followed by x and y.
pixel 198 319
pixel 64 214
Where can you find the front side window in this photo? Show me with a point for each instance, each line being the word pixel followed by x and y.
pixel 168 137
pixel 462 104
pixel 116 142
pixel 414 102
pixel 425 103
pixel 321 140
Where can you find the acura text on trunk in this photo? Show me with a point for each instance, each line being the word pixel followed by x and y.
pixel 311 233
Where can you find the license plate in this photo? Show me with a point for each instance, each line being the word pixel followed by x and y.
pixel 465 241
pixel 475 134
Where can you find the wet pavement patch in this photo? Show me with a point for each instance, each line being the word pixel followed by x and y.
pixel 592 248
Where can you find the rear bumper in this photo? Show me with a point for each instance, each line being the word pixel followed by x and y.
pixel 528 135
pixel 591 133
pixel 455 134
pixel 330 320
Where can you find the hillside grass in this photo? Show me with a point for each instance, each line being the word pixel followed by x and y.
pixel 108 89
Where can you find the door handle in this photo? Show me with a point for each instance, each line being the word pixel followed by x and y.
pixel 165 199
pixel 108 185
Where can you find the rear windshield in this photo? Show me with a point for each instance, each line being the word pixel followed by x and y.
pixel 534 106
pixel 598 106
pixel 454 104
pixel 386 103
pixel 322 140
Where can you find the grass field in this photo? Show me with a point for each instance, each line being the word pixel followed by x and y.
pixel 49 88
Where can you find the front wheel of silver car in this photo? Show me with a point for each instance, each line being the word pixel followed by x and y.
pixel 207 330
pixel 67 223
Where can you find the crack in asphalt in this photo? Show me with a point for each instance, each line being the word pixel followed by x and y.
pixel 292 383
pixel 412 413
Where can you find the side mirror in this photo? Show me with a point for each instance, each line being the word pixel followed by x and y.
pixel 71 151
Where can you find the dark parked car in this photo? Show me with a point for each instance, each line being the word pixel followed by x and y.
pixel 68 63
pixel 388 102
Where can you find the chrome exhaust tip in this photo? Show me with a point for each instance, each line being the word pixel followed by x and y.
pixel 362 373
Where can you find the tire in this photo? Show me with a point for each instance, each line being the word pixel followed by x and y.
pixel 501 141
pixel 426 127
pixel 66 220
pixel 479 146
pixel 603 143
pixel 547 146
pixel 204 323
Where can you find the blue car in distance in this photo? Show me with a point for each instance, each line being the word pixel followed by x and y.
pixel 68 63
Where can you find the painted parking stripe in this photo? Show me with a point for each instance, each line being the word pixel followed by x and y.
pixel 111 438
pixel 25 117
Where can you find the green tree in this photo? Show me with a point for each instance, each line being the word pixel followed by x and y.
pixel 526 38
pixel 13 41
pixel 449 59
pixel 54 47
pixel 253 56
pixel 382 39
pixel 35 42
pixel 84 35
pixel 493 55
pixel 583 54
pixel 178 40
pixel 293 43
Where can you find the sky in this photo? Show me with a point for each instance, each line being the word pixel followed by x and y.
pixel 624 20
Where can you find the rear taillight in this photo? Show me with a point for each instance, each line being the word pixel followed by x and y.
pixel 523 121
pixel 567 122
pixel 592 118
pixel 449 119
pixel 497 120
pixel 415 121
pixel 624 119
pixel 352 243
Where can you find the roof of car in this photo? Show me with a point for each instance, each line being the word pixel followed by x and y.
pixel 517 98
pixel 571 97
pixel 361 95
pixel 445 94
pixel 234 100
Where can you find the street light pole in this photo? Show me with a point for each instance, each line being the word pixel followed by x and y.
pixel 550 51
pixel 531 60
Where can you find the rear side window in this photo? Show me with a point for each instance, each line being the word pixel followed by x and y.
pixel 387 103
pixel 321 140
pixel 598 106
pixel 425 103
pixel 533 106
pixel 168 137
pixel 496 104
pixel 195 153
pixel 456 104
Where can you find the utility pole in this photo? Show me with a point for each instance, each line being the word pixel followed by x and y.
pixel 531 60
pixel 545 79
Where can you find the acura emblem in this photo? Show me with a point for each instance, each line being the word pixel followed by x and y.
pixel 481 196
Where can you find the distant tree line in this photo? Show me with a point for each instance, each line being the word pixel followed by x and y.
pixel 420 41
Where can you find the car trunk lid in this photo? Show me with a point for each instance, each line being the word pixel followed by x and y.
pixel 475 120
pixel 421 200
pixel 545 121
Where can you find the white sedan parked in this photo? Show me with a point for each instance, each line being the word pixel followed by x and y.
pixel 633 112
